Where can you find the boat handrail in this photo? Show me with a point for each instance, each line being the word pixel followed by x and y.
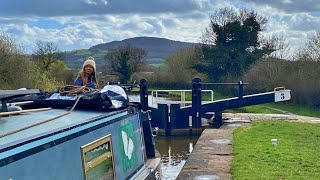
pixel 9 94
pixel 42 122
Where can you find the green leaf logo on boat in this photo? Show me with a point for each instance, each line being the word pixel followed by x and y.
pixel 127 146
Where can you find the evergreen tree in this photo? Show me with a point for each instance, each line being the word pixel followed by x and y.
pixel 231 44
pixel 126 60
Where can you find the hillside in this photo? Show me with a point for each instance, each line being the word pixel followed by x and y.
pixel 157 50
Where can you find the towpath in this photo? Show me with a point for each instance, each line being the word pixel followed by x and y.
pixel 212 155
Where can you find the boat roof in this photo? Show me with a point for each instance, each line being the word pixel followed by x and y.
pixel 14 123
pixel 14 93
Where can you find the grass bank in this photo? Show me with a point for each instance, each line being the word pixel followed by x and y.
pixel 295 157
pixel 296 109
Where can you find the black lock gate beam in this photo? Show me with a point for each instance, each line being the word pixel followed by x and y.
pixel 198 109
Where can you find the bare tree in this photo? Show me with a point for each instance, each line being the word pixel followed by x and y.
pixel 313 47
pixel 180 64
pixel 46 54
pixel 12 62
pixel 278 44
pixel 18 71
pixel 311 50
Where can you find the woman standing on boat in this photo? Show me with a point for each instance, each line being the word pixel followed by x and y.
pixel 87 75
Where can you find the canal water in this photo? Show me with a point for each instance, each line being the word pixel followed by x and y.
pixel 174 150
pixel 174 153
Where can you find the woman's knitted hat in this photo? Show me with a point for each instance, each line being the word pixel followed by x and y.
pixel 90 61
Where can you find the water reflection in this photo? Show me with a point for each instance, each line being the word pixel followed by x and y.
pixel 174 153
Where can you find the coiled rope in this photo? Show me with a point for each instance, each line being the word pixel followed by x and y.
pixel 70 90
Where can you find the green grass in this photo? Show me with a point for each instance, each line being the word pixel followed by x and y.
pixel 254 109
pixel 296 109
pixel 295 157
pixel 81 52
pixel 157 65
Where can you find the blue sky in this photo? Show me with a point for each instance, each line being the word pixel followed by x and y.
pixel 79 24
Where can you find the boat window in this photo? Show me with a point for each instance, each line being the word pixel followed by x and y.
pixel 97 159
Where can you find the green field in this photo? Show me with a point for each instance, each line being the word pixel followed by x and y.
pixel 159 65
pixel 81 52
pixel 295 157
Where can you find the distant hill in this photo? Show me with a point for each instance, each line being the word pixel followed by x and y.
pixel 157 50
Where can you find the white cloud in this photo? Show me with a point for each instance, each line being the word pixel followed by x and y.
pixel 96 2
pixel 85 23
pixel 286 1
pixel 289 6
pixel 305 22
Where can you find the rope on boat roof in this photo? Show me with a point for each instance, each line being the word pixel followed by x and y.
pixel 36 124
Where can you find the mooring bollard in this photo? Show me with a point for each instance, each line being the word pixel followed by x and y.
pixel 274 142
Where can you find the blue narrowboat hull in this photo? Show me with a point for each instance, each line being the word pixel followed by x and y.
pixel 67 147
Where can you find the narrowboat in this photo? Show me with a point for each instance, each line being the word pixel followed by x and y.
pixel 75 144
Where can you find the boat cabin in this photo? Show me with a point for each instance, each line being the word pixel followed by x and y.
pixel 56 143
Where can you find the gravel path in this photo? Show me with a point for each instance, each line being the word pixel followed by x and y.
pixel 265 117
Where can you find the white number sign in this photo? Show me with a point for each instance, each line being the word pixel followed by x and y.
pixel 283 95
